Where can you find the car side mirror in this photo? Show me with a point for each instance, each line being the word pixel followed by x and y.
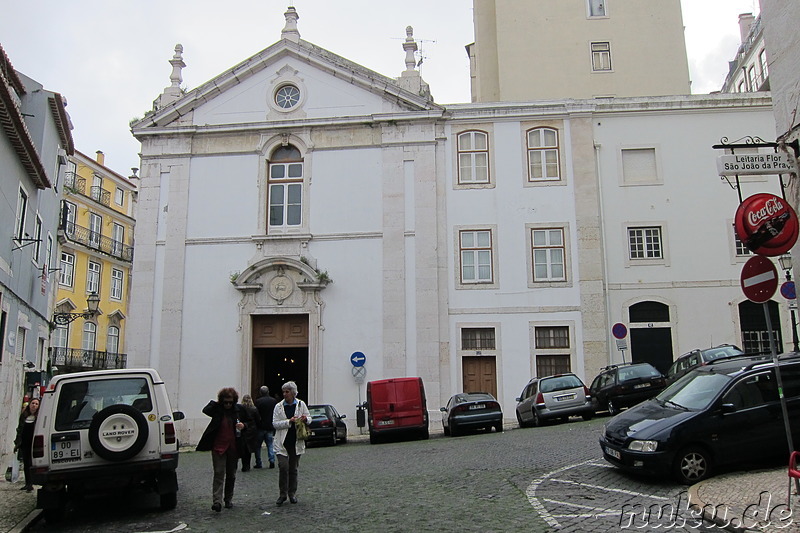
pixel 342 416
pixel 519 399
pixel 178 415
pixel 443 409
pixel 728 408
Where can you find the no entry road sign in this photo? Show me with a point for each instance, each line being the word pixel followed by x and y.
pixel 759 279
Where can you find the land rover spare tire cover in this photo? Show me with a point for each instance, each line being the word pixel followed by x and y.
pixel 118 432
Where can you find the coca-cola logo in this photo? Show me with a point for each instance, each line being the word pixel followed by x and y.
pixel 771 207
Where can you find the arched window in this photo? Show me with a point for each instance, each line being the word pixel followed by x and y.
pixel 89 342
pixel 473 157
pixel 649 312
pixel 285 185
pixel 543 157
pixel 112 340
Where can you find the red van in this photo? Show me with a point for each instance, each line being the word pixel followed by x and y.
pixel 396 405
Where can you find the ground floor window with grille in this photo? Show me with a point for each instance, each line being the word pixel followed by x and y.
pixel 549 365
pixel 547 339
pixel 477 339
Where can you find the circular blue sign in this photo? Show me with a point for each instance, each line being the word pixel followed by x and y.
pixel 788 291
pixel 358 359
pixel 619 331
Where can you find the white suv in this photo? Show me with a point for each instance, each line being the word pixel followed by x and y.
pixel 104 430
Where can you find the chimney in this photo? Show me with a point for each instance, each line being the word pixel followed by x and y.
pixel 101 158
pixel 745 23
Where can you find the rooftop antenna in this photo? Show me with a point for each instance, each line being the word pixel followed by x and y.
pixel 419 54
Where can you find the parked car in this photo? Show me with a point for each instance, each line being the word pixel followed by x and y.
pixel 725 412
pixel 104 430
pixel 625 385
pixel 396 406
pixel 697 357
pixel 327 425
pixel 471 410
pixel 551 397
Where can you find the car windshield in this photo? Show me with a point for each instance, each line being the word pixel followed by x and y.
pixel 78 401
pixel 559 383
pixel 474 397
pixel 638 371
pixel 722 351
pixel 694 391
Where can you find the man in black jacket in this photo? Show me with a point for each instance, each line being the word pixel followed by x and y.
pixel 265 405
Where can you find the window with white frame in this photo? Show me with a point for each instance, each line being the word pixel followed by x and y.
pixel 543 156
pixel 117 237
pixel 89 339
pixel 548 254
pixel 552 364
pixel 741 248
pixel 93 277
pixel 67 270
pixel 478 339
pixel 68 214
pixel 97 188
pixel 639 166
pixel 473 157
pixel 37 243
pixel 48 258
pixel 751 78
pixel 285 185
pixel 741 86
pixel 22 209
pixel 476 256
pixel 95 229
pixel 597 8
pixel 645 243
pixel 112 339
pixel 762 64
pixel 119 196
pixel 117 277
pixel 601 56
pixel 549 337
pixel 60 337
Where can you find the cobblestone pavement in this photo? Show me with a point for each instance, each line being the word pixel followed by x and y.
pixel 17 507
pixel 534 479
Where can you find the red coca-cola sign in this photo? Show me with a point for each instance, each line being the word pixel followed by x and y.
pixel 766 224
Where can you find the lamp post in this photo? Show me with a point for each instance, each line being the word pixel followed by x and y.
pixel 92 304
pixel 786 264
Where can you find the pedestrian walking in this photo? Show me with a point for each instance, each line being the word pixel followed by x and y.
pixel 266 432
pixel 24 439
pixel 288 447
pixel 249 438
pixel 219 437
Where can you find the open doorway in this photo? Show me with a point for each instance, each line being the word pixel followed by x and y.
pixel 280 353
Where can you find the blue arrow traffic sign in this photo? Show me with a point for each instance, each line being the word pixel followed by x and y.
pixel 358 359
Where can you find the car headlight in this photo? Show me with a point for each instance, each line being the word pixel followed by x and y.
pixel 643 445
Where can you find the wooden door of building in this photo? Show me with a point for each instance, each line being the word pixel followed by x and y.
pixel 479 374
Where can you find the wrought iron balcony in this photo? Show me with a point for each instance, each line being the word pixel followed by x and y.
pixel 77 185
pixel 74 360
pixel 96 241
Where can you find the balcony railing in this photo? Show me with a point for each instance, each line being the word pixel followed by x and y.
pixel 74 360
pixel 95 241
pixel 77 185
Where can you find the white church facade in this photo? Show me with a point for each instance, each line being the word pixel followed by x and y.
pixel 299 208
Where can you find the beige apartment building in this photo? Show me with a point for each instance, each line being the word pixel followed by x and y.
pixel 545 49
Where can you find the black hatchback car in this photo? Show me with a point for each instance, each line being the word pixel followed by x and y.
pixel 698 357
pixel 327 425
pixel 723 413
pixel 625 385
pixel 471 410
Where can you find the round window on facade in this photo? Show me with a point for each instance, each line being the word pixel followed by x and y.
pixel 287 96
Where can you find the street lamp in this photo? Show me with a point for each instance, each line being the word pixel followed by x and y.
pixel 786 264
pixel 92 303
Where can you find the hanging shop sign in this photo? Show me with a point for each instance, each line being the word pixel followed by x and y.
pixel 766 224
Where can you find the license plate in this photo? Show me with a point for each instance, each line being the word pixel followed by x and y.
pixel 478 406
pixel 564 397
pixel 66 451
pixel 385 422
pixel 613 453
pixel 641 386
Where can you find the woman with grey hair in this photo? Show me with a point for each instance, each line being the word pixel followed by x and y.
pixel 288 448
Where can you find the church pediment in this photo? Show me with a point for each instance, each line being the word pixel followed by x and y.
pixel 281 278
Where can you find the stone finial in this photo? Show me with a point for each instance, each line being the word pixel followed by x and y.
pixel 290 31
pixel 177 65
pixel 410 46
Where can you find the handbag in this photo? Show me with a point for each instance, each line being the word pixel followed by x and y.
pixel 303 431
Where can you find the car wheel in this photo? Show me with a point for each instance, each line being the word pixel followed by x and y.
pixel 169 501
pixel 499 427
pixel 373 438
pixel 343 440
pixel 53 516
pixel 453 431
pixel 118 432
pixel 692 464
pixel 612 408
pixel 520 422
pixel 446 430
pixel 537 422
pixel 333 438
pixel 588 416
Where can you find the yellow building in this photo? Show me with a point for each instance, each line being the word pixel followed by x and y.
pixel 95 235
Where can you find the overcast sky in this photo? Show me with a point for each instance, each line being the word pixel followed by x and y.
pixel 110 58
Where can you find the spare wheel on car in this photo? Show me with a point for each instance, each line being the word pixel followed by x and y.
pixel 118 432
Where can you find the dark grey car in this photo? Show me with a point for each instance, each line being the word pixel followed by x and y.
pixel 475 410
pixel 553 397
